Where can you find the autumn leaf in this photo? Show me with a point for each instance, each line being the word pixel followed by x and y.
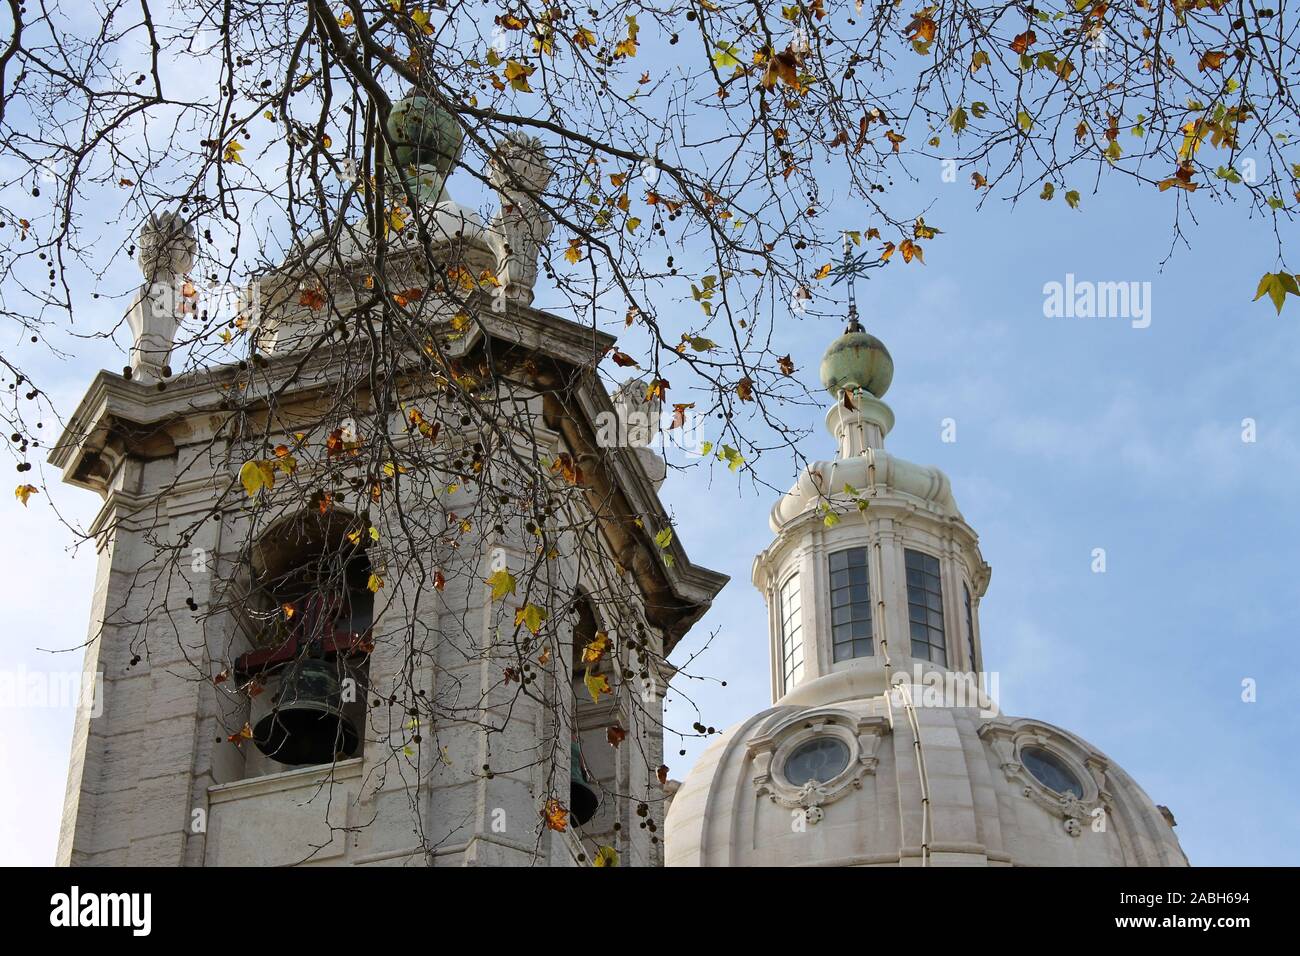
pixel 1277 286
pixel 662 774
pixel 615 735
pixel 745 389
pixel 517 75
pixel 239 736
pixel 1211 60
pixel 1023 42
pixel 374 583
pixel 595 648
pixel 502 583
pixel 597 684
pixel 785 364
pixel 605 856
pixel 823 272
pixel 231 153
pixel 255 475
pixel 313 299
pixel 439 580
pixel 574 253
pixel 568 468
pixel 531 616
pixel 623 360
pixel 782 68
pixel 23 492
pixel 627 48
pixel 922 29
pixel 664 538
pixel 726 56
pixel 556 815
pixel 894 138
pixel 679 415
pixel 656 389
pixel 921 231
pixel 731 456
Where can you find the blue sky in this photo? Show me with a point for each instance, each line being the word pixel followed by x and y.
pixel 1072 434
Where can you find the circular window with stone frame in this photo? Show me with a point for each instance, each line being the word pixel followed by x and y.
pixel 1051 771
pixel 819 760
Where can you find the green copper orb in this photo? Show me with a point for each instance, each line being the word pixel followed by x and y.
pixel 427 142
pixel 857 359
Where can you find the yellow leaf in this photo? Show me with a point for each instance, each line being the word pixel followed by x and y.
pixel 605 856
pixel 231 153
pixel 597 684
pixel 531 616
pixel 574 252
pixel 256 475
pixel 502 583
pixel 517 75
pixel 374 583
pixel 596 648
pixel 23 492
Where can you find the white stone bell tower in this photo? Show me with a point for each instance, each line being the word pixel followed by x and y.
pixel 221 655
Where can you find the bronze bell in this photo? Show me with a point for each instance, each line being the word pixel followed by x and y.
pixel 583 801
pixel 307 725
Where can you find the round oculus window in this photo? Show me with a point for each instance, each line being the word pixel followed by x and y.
pixel 820 759
pixel 1050 771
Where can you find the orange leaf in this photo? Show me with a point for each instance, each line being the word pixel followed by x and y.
pixel 556 815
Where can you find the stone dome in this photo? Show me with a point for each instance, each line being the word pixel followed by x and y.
pixel 985 795
pixel 884 745
pixel 857 360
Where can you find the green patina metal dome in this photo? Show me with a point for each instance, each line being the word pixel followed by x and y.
pixel 857 359
pixel 427 142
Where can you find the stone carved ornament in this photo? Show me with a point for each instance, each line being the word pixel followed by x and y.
pixel 519 172
pixel 1007 739
pixel 769 749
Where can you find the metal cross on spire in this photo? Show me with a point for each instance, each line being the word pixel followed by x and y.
pixel 849 268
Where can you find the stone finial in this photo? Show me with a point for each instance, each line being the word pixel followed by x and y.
pixel 427 142
pixel 638 419
pixel 166 247
pixel 166 254
pixel 520 172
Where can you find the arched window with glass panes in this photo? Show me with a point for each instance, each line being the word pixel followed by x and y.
pixel 850 605
pixel 925 607
pixel 791 634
